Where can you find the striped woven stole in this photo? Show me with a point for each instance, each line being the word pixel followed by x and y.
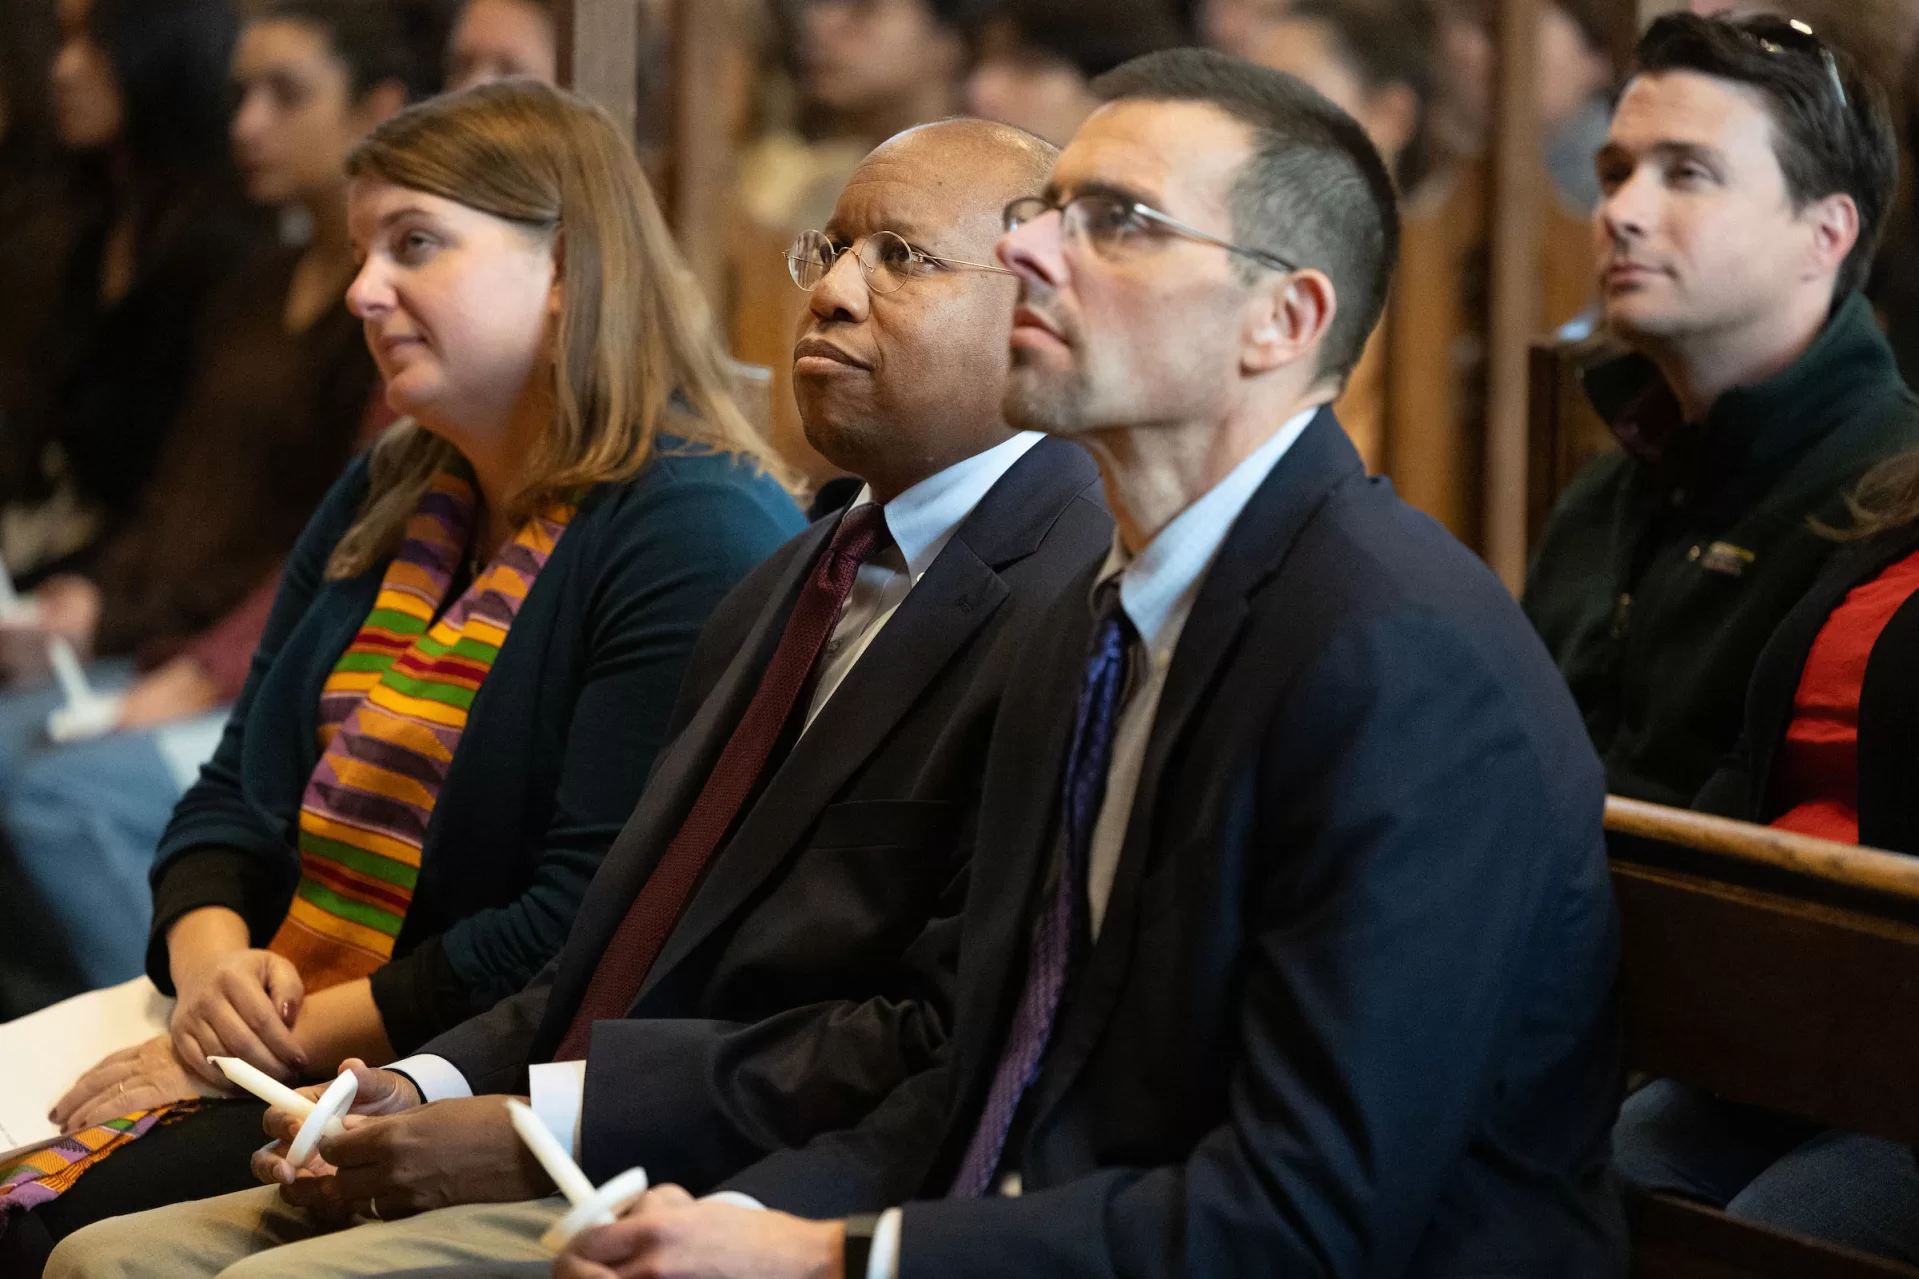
pixel 391 716
pixel 45 1173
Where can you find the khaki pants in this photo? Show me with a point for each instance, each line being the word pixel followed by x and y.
pixel 256 1235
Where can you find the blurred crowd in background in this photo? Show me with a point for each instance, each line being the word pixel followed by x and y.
pixel 179 378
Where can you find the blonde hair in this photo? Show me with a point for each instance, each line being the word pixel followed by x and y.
pixel 636 349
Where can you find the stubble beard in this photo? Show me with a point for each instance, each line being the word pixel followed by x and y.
pixel 1040 399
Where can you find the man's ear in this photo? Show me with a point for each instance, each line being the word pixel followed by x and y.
pixel 1286 320
pixel 1835 230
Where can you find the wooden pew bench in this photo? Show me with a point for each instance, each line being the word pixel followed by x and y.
pixel 1775 970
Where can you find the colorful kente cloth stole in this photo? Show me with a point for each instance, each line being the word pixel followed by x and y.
pixel 45 1173
pixel 391 715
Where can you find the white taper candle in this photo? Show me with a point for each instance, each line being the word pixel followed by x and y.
pixel 263 1086
pixel 9 598
pixel 553 1157
pixel 67 669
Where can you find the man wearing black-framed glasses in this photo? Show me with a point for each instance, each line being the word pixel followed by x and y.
pixel 1746 178
pixel 1289 945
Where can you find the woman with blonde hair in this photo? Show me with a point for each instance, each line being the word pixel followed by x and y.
pixel 474 654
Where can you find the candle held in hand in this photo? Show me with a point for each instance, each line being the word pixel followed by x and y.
pixel 553 1157
pixel 263 1086
pixel 276 1094
pixel 590 1207
pixel 325 1119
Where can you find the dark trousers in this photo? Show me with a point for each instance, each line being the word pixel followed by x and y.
pixel 207 1153
pixel 1772 1170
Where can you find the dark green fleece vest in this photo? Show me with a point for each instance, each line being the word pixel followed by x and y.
pixel 1667 564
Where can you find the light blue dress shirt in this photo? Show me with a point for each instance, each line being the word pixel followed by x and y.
pixel 1157 588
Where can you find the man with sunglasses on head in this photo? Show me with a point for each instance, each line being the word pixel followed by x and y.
pixel 1290 945
pixel 1746 178
pixel 768 949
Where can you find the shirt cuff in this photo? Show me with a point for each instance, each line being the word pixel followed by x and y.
pixel 558 1091
pixel 437 1078
pixel 883 1262
pixel 738 1198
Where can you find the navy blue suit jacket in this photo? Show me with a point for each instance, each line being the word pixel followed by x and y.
pixel 1351 1012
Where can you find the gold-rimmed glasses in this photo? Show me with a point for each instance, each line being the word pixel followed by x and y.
pixel 886 260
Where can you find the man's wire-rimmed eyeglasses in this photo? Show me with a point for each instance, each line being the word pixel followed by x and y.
pixel 1108 223
pixel 886 260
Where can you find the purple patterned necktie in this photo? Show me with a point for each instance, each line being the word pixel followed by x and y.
pixel 1064 920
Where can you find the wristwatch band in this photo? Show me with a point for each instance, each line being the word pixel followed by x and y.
pixel 859 1244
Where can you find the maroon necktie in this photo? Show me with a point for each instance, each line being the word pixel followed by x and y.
pixel 641 935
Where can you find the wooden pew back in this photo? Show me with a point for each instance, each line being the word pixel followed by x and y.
pixel 1564 431
pixel 1774 970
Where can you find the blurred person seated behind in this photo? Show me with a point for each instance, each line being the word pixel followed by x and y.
pixel 1830 748
pixel 1033 59
pixel 140 110
pixel 495 39
pixel 1575 90
pixel 868 69
pixel 1236 26
pixel 474 657
pixel 1375 64
pixel 1747 174
pixel 36 218
pixel 280 389
pixel 1573 81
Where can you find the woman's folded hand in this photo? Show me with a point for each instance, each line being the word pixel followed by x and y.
pixel 240 1003
pixel 133 1079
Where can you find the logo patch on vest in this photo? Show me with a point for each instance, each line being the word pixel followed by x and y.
pixel 1724 557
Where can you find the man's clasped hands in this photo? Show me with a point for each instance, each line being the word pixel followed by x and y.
pixel 401 1155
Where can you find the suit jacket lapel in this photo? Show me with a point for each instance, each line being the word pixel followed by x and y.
pixel 1019 830
pixel 957 596
pixel 937 617
pixel 670 793
pixel 1317 463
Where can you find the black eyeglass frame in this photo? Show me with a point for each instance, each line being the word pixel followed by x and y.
pixel 830 254
pixel 1038 206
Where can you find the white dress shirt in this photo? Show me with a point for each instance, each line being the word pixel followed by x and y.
pixel 1157 589
pixel 922 521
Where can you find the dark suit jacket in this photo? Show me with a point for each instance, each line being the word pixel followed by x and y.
pixel 810 972
pixel 1351 1011
pixel 1888 704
